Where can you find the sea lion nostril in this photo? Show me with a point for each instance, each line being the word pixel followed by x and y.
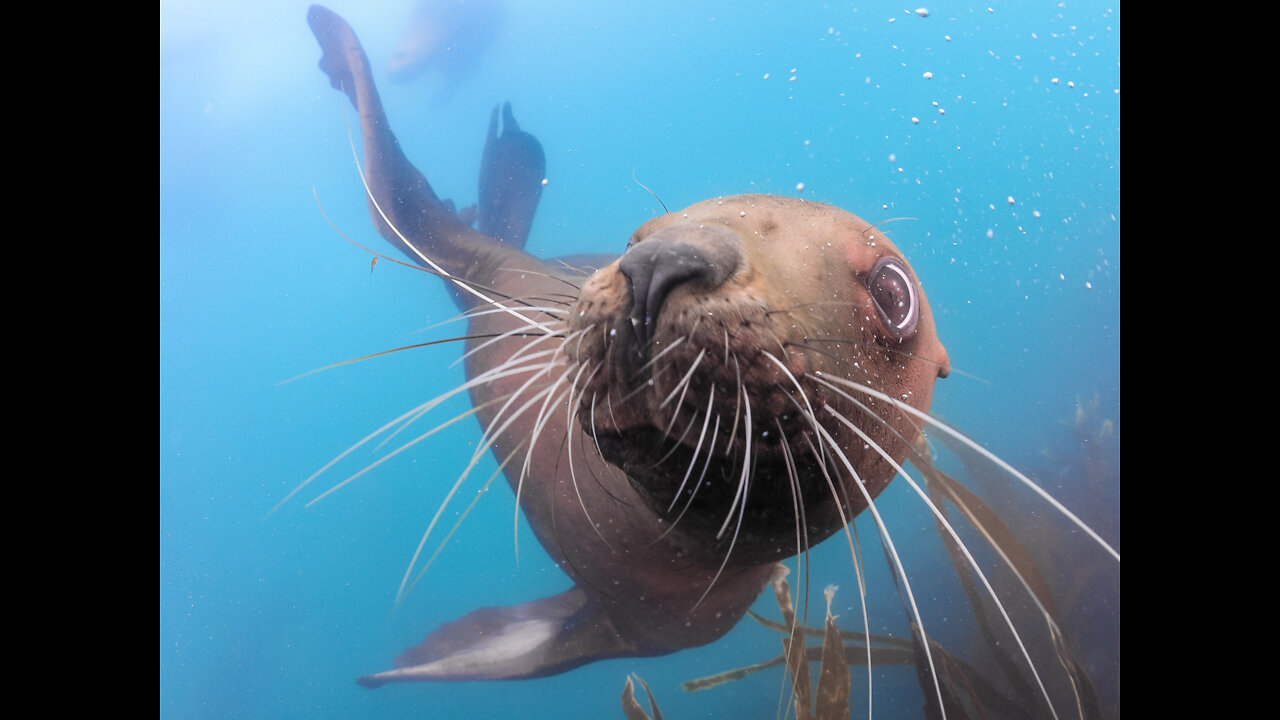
pixel 655 268
pixel 673 257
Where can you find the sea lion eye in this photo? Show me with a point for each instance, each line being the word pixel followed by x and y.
pixel 895 296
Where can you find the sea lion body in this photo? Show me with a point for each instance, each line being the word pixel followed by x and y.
pixel 672 425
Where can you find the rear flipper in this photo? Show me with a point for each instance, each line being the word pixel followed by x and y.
pixel 511 173
pixel 539 638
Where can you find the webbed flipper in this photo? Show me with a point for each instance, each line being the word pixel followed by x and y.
pixel 538 638
pixel 405 210
pixel 511 173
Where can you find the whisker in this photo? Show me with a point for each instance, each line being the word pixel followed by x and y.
pixel 674 344
pixel 380 353
pixel 743 481
pixel 521 351
pixel 682 385
pixel 845 523
pixel 743 487
pixel 487 441
pixel 797 507
pixel 573 475
pixel 803 395
pixel 693 461
pixel 679 442
pixel 893 553
pixel 549 276
pixel 985 453
pixel 480 493
pixel 485 377
pixel 461 283
pixel 706 464
pixel 733 432
pixel 942 520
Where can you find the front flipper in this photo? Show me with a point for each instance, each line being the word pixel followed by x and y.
pixel 511 173
pixel 539 638
pixel 405 210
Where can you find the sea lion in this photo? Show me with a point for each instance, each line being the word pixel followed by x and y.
pixel 448 38
pixel 733 389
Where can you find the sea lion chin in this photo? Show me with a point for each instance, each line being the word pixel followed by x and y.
pixel 742 311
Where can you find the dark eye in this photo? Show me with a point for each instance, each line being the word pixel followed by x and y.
pixel 895 296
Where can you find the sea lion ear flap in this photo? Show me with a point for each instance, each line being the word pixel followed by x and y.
pixel 538 638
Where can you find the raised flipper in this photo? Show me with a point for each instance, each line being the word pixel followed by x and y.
pixel 539 638
pixel 511 174
pixel 405 209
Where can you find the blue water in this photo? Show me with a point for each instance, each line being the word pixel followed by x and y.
pixel 276 617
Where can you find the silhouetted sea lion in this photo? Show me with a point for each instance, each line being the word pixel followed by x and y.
pixel 745 379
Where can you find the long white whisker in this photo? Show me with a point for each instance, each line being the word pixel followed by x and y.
pixel 397 451
pixel 897 561
pixel 942 520
pixel 733 432
pixel 706 464
pixel 514 332
pixel 674 344
pixel 693 461
pixel 464 285
pixel 684 382
pixel 745 479
pixel 985 453
pixel 484 447
pixel 845 523
pixel 573 476
pixel 457 524
pixel 742 510
pixel 803 395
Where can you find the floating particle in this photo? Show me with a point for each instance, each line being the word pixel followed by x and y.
pixel 1035 213
pixel 990 233
pixel 800 187
pixel 915 121
pixel 947 38
pixel 742 214
pixel 831 31
pixel 1054 81
pixel 893 157
pixel 1071 83
pixel 928 75
pixel 1010 200
pixel 1088 286
pixel 545 182
pixel 766 76
pixel 922 12
pixel 942 111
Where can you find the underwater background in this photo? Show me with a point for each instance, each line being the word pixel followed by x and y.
pixel 989 135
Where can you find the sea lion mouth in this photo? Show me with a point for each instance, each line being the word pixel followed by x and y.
pixel 769 496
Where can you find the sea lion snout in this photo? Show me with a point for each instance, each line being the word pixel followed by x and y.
pixel 705 256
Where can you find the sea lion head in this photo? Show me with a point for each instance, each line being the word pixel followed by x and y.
pixel 716 357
